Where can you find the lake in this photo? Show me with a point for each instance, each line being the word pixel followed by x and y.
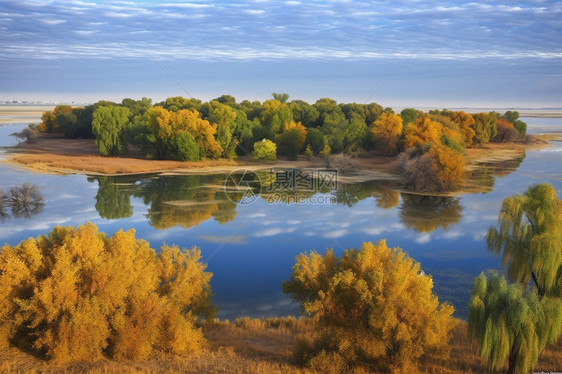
pixel 250 238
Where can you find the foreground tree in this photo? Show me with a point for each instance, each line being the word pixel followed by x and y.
pixel 108 125
pixel 76 295
pixel 529 237
pixel 372 304
pixel 512 326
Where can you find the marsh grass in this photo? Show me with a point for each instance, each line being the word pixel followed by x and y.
pixel 261 346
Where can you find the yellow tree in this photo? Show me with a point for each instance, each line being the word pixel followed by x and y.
pixel 371 304
pixel 202 131
pixel 449 165
pixel 75 294
pixel 387 130
pixel 423 131
pixel 466 126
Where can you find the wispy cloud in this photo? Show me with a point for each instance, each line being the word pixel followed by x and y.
pixel 285 30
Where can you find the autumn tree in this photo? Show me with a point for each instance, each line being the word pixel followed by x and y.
pixel 109 125
pixel 180 135
pixel 513 117
pixel 77 295
pixel 387 130
pixel 505 132
pixel 372 304
pixel 529 238
pixel 265 150
pixel 434 169
pixel 512 326
pixel 422 132
pixel 466 126
pixel 225 119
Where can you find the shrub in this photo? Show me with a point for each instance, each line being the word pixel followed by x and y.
pixel 76 295
pixel 265 150
pixel 372 304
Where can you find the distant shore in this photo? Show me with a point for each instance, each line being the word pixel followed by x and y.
pixel 20 113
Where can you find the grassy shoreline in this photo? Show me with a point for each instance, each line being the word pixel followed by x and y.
pixel 257 346
pixel 55 154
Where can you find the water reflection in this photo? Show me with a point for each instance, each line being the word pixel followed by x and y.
pixel 482 176
pixel 184 201
pixel 427 213
pixel 21 201
pixel 188 200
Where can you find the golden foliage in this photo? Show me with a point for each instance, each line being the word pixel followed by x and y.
pixel 76 294
pixel 423 131
pixel 372 304
pixel 165 125
pixel 450 165
pixel 466 126
pixel 387 130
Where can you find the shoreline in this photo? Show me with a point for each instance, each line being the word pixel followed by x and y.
pixel 54 154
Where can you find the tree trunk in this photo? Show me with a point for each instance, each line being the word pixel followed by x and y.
pixel 512 358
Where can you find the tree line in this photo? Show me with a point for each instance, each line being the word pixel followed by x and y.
pixel 76 294
pixel 184 129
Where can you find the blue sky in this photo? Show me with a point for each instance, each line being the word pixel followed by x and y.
pixel 402 53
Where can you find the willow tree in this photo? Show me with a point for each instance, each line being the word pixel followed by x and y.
pixel 108 125
pixel 511 324
pixel 529 237
pixel 514 322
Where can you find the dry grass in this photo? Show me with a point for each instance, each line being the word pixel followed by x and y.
pixel 258 346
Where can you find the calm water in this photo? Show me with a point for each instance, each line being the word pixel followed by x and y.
pixel 250 244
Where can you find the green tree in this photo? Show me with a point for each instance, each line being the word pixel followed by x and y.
pixel 513 117
pixel 372 112
pixel 316 140
pixel 512 326
pixel 409 115
pixel 304 113
pixel 529 237
pixel 371 304
pixel 273 116
pixel 282 97
pixel 225 118
pixel 265 150
pixel 484 127
pixel 108 125
pixel 291 141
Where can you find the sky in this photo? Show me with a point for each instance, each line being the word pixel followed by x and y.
pixel 422 53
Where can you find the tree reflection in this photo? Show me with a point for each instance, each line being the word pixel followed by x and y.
pixel 482 176
pixel 184 201
pixel 113 199
pixel 21 201
pixel 427 213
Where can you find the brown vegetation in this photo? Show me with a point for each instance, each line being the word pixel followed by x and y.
pixel 256 346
